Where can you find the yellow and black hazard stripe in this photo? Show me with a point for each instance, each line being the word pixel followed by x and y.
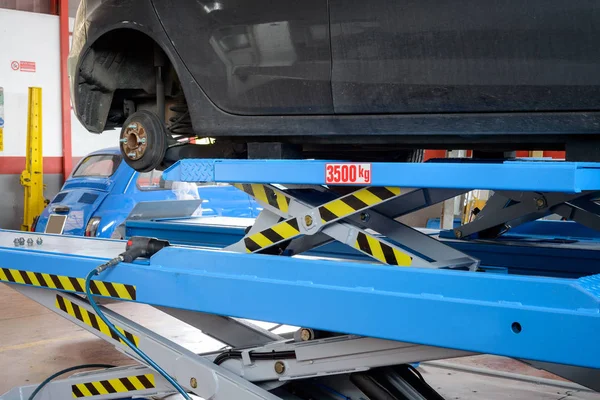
pixel 68 283
pixel 277 233
pixel 91 319
pixel 266 195
pixel 381 251
pixel 356 201
pixel 117 385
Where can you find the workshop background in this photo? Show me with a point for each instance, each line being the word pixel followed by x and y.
pixel 37 342
pixel 32 40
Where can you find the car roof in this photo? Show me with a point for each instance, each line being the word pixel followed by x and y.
pixel 108 150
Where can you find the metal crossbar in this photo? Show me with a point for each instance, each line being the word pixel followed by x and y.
pixel 202 374
pixel 508 209
pixel 350 219
pixel 195 373
pixel 113 383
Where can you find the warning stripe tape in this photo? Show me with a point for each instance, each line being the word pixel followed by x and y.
pixel 92 320
pixel 266 195
pixel 356 201
pixel 329 212
pixel 117 385
pixel 68 283
pixel 277 233
pixel 381 251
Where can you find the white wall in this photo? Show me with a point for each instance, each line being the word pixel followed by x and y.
pixel 28 36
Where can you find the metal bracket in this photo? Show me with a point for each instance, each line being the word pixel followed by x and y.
pixel 334 356
pixel 505 210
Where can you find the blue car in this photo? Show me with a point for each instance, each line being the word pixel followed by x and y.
pixel 102 191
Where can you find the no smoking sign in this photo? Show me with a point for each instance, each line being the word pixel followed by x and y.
pixel 23 66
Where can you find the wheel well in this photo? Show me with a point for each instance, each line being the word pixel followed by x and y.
pixel 117 76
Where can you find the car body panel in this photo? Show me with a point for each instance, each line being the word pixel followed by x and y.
pixel 82 204
pixel 423 122
pixel 428 56
pixel 114 198
pixel 104 17
pixel 257 57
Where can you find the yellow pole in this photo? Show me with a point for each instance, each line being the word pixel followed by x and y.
pixel 1 119
pixel 536 154
pixel 32 178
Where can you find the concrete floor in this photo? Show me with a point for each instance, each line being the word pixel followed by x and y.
pixel 36 343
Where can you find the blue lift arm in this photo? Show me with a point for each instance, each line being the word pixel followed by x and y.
pixel 532 176
pixel 545 319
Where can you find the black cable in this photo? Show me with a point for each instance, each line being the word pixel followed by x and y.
pixel 274 355
pixel 236 354
pixel 226 355
pixel 415 371
pixel 64 371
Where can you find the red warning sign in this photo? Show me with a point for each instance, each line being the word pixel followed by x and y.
pixel 27 66
pixel 14 65
pixel 349 173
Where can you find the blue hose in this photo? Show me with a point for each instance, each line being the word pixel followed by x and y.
pixel 140 353
pixel 333 391
pixel 64 371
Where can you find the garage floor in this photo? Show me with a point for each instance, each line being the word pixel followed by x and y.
pixel 35 343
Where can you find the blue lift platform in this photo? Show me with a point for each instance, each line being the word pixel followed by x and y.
pixel 370 295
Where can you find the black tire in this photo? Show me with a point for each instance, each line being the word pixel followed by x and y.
pixel 412 156
pixel 417 156
pixel 153 153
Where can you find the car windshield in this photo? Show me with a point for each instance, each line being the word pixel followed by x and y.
pixel 101 165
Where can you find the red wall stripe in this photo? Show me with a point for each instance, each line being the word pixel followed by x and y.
pixel 429 154
pixel 555 154
pixel 67 151
pixel 16 165
pixel 522 153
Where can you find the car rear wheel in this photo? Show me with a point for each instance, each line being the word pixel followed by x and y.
pixel 143 141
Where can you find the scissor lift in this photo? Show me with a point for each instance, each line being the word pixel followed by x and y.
pixel 410 297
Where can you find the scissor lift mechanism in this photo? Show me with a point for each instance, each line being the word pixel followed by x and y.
pixel 414 299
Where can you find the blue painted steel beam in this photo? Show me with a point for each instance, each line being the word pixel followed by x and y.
pixel 555 229
pixel 187 234
pixel 544 176
pixel 525 258
pixel 546 319
pixel 540 229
